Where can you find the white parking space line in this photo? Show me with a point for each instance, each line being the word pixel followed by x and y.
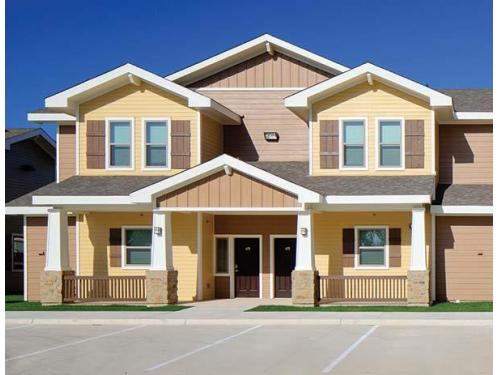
pixel 18 327
pixel 348 351
pixel 72 343
pixel 201 349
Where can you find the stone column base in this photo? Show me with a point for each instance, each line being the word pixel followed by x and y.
pixel 161 287
pixel 418 290
pixel 305 288
pixel 51 287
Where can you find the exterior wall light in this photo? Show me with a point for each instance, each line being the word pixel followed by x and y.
pixel 303 232
pixel 271 136
pixel 157 231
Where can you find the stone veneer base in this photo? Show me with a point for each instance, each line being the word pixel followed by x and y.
pixel 161 287
pixel 418 288
pixel 305 288
pixel 51 286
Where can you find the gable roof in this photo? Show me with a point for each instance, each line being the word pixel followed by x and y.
pixel 364 73
pixel 127 74
pixel 248 50
pixel 15 135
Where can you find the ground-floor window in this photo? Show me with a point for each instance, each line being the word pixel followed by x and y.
pixel 17 250
pixel 137 247
pixel 222 256
pixel 371 247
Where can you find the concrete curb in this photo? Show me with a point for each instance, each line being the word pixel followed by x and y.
pixel 270 322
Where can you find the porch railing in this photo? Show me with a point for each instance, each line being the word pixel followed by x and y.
pixel 363 288
pixel 104 289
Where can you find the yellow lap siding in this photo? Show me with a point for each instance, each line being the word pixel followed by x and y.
pixel 372 102
pixel 94 246
pixel 208 256
pixel 138 102
pixel 211 139
pixel 328 240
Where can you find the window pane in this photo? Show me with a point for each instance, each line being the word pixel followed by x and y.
pixel 138 256
pixel 390 156
pixel 156 132
pixel 354 132
pixel 17 254
pixel 354 156
pixel 222 256
pixel 120 132
pixel 138 237
pixel 371 237
pixel 371 257
pixel 156 156
pixel 390 132
pixel 120 156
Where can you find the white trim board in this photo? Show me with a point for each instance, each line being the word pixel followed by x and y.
pixel 50 117
pixel 378 199
pixel 26 210
pixel 248 50
pixel 462 210
pixel 473 115
pixel 359 75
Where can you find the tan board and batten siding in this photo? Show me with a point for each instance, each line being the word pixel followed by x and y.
pixel 221 190
pixel 464 258
pixel 466 154
pixel 137 102
pixel 266 71
pixel 66 151
pixel 36 245
pixel 370 103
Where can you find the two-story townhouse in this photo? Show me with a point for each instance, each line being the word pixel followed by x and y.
pixel 264 171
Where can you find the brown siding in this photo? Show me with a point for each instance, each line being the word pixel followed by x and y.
pixel 36 245
pixel 257 224
pixel 263 111
pixel 67 151
pixel 181 142
pixel 221 190
pixel 466 154
pixel 461 272
pixel 266 71
pixel 329 144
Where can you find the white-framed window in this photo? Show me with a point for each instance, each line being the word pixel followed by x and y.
pixel 353 141
pixel 222 256
pixel 372 247
pixel 136 247
pixel 156 138
pixel 17 253
pixel 390 147
pixel 120 143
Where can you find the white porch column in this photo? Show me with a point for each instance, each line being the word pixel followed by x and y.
pixel 417 258
pixel 305 242
pixel 161 247
pixel 57 256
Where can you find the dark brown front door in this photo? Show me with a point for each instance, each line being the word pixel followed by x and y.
pixel 246 267
pixel 284 263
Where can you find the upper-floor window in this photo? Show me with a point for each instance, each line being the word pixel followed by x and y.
pixel 353 143
pixel 390 146
pixel 156 143
pixel 119 143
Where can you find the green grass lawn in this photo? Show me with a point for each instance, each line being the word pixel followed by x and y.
pixel 16 303
pixel 438 307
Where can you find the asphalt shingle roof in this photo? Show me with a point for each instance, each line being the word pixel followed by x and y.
pixel 14 132
pixel 471 100
pixel 464 195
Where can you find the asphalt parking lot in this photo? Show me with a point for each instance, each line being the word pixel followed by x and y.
pixel 252 349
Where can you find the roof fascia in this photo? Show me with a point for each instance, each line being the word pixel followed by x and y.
pixel 439 210
pixel 50 117
pixel 243 49
pixel 146 195
pixel 378 199
pixel 28 135
pixel 305 97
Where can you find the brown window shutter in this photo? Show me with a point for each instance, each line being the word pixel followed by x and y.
pixel 181 144
pixel 414 143
pixel 394 247
pixel 96 144
pixel 329 144
pixel 348 247
pixel 115 247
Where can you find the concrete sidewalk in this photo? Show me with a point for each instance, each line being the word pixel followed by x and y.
pixel 234 313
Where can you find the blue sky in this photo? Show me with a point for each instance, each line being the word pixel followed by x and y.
pixel 51 45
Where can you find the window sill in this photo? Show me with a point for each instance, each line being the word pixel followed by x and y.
pixel 136 267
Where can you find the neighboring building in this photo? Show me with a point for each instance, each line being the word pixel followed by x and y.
pixel 251 172
pixel 30 156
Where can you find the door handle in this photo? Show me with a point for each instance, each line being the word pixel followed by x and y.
pixel 42 253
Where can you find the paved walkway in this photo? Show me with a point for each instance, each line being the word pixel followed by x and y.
pixel 233 312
